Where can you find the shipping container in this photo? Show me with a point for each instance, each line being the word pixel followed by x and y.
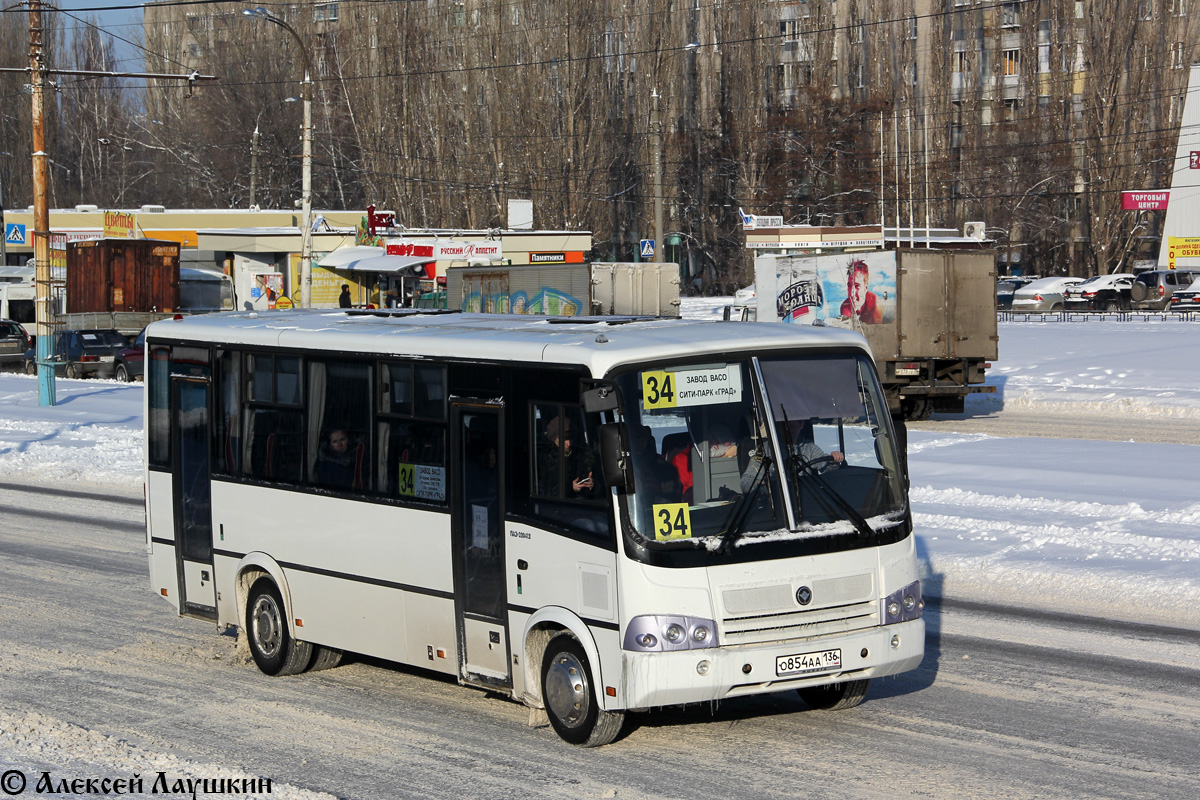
pixel 122 275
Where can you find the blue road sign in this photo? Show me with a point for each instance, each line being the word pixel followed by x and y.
pixel 14 233
pixel 647 248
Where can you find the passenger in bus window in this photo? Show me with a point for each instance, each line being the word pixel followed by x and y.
pixel 653 478
pixel 336 460
pixel 559 456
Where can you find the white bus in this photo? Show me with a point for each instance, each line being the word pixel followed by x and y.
pixel 592 515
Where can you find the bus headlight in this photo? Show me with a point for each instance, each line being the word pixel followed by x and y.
pixel 903 605
pixel 661 632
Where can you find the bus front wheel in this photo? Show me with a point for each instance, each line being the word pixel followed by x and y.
pixel 835 696
pixel 272 646
pixel 570 698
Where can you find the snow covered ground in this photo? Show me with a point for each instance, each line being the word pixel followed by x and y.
pixel 1104 528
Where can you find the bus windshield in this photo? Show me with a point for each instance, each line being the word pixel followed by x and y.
pixel 732 453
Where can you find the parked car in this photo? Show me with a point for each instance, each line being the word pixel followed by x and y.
pixel 80 353
pixel 14 341
pixel 128 363
pixel 1187 299
pixel 1044 294
pixel 1006 287
pixel 1152 290
pixel 1101 293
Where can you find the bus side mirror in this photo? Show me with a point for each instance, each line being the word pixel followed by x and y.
pixel 601 398
pixel 614 455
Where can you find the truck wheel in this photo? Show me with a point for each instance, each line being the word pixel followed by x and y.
pixel 570 698
pixel 916 409
pixel 272 646
pixel 835 696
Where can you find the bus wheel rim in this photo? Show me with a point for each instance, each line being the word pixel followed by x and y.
pixel 567 694
pixel 268 626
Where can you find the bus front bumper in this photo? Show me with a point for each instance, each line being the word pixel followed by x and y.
pixel 693 676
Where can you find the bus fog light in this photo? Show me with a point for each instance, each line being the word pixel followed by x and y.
pixel 674 633
pixel 909 602
pixel 893 609
pixel 700 634
pixel 895 640
pixel 647 640
pixel 702 668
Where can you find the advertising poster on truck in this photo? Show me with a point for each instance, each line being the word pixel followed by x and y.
pixel 861 286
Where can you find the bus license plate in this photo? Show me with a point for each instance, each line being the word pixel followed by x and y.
pixel 806 663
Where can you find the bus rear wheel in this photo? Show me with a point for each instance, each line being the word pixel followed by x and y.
pixel 272 646
pixel 569 696
pixel 835 696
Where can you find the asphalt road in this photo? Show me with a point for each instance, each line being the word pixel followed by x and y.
pixel 105 680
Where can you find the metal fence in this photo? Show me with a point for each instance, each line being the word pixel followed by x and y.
pixel 1099 316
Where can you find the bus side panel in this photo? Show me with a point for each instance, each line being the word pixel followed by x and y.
pixel 364 577
pixel 563 572
pixel 160 518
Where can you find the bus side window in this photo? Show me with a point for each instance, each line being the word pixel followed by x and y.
pixel 227 445
pixel 566 469
pixel 274 422
pixel 339 424
pixel 410 442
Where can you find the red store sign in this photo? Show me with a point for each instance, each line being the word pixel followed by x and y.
pixel 1145 201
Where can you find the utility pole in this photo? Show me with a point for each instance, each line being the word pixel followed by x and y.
pixel 41 213
pixel 44 325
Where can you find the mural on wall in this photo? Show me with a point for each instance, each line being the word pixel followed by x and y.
pixel 547 301
pixel 856 288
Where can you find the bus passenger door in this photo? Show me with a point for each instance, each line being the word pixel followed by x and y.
pixel 190 389
pixel 478 540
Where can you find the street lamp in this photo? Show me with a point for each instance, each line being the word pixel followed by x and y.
pixel 254 144
pixel 306 136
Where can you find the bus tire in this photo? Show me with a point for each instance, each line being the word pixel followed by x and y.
pixel 324 658
pixel 835 696
pixel 570 698
pixel 272 646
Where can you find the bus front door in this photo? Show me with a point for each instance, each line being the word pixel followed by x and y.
pixel 478 540
pixel 190 389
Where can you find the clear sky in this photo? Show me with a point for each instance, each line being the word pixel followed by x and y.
pixel 120 18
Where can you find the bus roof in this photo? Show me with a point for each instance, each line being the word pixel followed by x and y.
pixel 600 343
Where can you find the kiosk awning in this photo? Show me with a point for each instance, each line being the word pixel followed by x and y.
pixel 339 258
pixel 401 266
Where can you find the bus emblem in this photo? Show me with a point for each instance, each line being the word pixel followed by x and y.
pixel 804 595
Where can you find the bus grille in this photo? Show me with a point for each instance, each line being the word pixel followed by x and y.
pixel 770 612
pixel 794 625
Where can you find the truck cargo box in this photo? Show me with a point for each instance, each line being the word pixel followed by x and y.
pixel 122 275
pixel 929 315
pixel 637 288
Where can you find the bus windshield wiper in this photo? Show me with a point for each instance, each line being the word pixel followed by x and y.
pixel 741 510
